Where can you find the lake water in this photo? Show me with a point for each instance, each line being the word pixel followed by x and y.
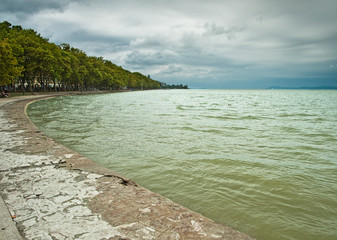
pixel 261 161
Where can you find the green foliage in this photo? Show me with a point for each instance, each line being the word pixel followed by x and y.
pixel 36 64
pixel 9 69
pixel 175 86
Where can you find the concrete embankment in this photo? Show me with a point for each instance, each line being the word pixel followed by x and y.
pixel 52 192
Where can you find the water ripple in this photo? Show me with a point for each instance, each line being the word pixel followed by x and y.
pixel 263 162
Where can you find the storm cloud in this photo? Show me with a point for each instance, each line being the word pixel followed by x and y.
pixel 214 44
pixel 23 9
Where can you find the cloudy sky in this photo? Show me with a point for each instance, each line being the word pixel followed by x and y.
pixel 205 44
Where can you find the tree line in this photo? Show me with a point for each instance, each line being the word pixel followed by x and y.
pixel 29 62
pixel 180 86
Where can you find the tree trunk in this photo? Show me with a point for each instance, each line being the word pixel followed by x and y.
pixel 30 89
pixel 23 80
pixel 54 81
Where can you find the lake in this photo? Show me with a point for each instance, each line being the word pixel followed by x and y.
pixel 261 161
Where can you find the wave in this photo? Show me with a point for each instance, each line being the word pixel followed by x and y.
pixel 238 117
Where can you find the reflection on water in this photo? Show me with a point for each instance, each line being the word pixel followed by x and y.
pixel 263 162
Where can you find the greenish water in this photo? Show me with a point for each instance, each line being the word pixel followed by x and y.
pixel 261 161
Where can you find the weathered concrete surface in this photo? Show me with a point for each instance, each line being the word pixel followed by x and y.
pixel 53 192
pixel 8 229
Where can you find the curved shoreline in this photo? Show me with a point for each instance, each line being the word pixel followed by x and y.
pixel 54 192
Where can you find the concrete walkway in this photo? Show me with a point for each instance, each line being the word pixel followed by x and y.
pixel 53 192
pixel 8 228
pixel 7 225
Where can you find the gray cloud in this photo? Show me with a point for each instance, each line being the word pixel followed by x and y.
pixel 172 69
pixel 24 8
pixel 150 57
pixel 220 43
pixel 214 29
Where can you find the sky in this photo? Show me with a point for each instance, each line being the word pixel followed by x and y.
pixel 202 44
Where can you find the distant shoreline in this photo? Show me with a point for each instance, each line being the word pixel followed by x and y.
pixel 305 88
pixel 270 88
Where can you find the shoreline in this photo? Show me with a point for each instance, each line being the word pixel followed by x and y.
pixel 53 192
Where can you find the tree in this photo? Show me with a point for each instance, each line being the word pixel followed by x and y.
pixel 32 60
pixel 9 69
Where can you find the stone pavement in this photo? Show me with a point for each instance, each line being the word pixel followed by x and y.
pixel 8 229
pixel 53 192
